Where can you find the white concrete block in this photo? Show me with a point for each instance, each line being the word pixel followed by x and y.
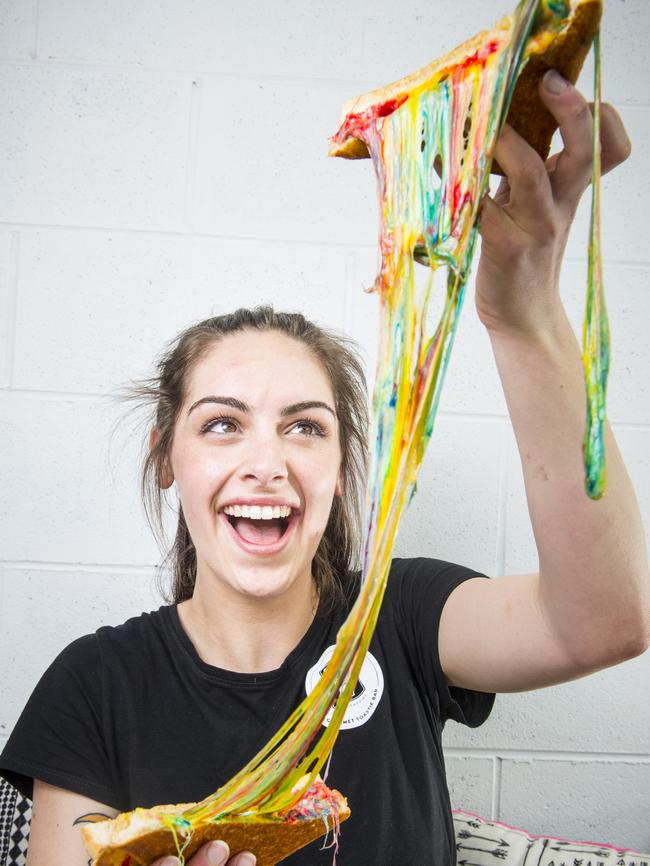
pixel 628 303
pixel 263 169
pixel 624 60
pixel 44 610
pixel 287 37
pixel 402 38
pixel 362 307
pixel 472 384
pixel 470 784
pixel 634 443
pixel 608 712
pixel 625 192
pixel 7 292
pixel 70 490
pixel 17 29
pixel 90 146
pixel 117 299
pixel 448 518
pixel 594 801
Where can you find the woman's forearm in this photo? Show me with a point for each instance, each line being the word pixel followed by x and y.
pixel 594 583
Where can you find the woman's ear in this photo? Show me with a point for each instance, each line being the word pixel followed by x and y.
pixel 166 474
pixel 338 490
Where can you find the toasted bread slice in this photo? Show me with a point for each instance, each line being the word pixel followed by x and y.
pixel 140 837
pixel 564 50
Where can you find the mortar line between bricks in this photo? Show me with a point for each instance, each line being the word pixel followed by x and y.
pixel 120 231
pixel 359 84
pixel 497 776
pixel 36 394
pixel 36 16
pixel 100 567
pixel 12 307
pixel 567 755
pixel 502 500
pixel 3 625
pixel 191 235
pixel 192 149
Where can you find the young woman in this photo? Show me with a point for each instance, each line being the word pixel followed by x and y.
pixel 260 425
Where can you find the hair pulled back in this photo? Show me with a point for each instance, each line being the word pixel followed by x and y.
pixel 339 547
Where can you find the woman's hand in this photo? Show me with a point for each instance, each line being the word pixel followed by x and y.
pixel 212 854
pixel 524 228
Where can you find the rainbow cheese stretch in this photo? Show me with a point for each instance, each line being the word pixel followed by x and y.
pixel 451 122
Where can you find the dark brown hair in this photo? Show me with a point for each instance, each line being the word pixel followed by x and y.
pixel 339 547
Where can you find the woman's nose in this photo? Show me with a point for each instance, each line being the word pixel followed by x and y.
pixel 264 459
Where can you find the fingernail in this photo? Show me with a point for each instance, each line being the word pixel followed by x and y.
pixel 217 853
pixel 170 861
pixel 554 82
pixel 246 860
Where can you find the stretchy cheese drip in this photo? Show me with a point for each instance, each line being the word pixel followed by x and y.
pixel 432 151
pixel 596 326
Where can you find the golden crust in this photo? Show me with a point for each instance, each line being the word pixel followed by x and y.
pixel 566 52
pixel 354 148
pixel 140 840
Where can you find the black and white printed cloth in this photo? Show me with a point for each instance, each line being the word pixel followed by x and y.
pixel 15 818
pixel 481 842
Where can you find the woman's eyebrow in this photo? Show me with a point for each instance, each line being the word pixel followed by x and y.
pixel 233 402
pixel 294 408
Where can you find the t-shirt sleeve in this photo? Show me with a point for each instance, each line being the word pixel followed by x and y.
pixel 421 588
pixel 58 737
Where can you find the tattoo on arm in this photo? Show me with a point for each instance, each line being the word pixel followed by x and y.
pixel 90 818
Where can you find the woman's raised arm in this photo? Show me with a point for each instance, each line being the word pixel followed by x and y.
pixel 589 606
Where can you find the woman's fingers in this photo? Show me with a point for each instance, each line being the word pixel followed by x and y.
pixel 615 146
pixel 525 172
pixel 572 169
pixel 212 854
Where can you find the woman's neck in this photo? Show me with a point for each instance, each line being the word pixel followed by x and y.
pixel 246 635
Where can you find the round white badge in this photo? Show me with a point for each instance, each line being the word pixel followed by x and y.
pixel 367 692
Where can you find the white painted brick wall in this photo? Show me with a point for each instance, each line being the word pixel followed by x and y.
pixel 165 161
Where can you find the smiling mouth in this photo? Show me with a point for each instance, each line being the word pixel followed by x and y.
pixel 259 531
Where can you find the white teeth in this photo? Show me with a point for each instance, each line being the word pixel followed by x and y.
pixel 258 512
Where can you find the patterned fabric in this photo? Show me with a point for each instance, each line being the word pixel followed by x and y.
pixel 478 842
pixel 15 818
pixel 487 843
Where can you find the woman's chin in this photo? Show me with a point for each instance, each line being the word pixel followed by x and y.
pixel 266 584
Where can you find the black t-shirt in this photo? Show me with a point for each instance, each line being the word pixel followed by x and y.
pixel 131 716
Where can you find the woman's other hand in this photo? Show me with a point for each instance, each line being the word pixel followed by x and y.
pixel 524 227
pixel 212 854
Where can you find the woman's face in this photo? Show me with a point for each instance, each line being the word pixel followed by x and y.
pixel 256 460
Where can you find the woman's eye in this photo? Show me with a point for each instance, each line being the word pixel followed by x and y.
pixel 308 428
pixel 220 425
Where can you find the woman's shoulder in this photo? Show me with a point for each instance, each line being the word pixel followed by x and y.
pixel 417 581
pixel 134 639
